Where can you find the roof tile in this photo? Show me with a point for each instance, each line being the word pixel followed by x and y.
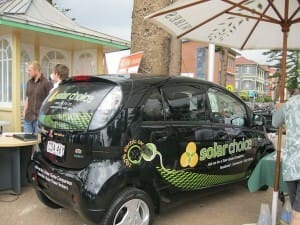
pixel 32 12
pixel 244 61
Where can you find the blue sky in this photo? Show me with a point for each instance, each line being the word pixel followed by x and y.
pixel 114 17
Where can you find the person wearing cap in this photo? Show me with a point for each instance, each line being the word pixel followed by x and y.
pixel 289 114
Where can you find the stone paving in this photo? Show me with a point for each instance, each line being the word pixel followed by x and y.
pixel 229 205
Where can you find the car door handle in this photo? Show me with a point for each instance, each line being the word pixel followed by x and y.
pixel 159 136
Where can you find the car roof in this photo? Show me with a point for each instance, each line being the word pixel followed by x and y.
pixel 146 79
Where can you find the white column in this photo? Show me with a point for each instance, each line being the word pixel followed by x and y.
pixel 211 62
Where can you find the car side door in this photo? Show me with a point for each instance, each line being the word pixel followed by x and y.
pixel 234 142
pixel 188 116
pixel 156 131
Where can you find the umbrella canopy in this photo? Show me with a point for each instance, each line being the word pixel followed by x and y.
pixel 247 24
pixel 242 24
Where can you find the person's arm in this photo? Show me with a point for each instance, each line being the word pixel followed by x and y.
pixel 278 117
pixel 25 106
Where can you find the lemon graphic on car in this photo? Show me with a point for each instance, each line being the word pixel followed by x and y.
pixel 189 157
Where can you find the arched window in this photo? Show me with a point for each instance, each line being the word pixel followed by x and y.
pixel 85 63
pixel 5 71
pixel 25 59
pixel 50 60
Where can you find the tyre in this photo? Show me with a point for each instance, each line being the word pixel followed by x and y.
pixel 132 206
pixel 44 199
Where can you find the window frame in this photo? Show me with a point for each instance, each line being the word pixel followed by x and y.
pixel 194 86
pixel 25 59
pixel 6 76
pixel 229 94
pixel 48 63
pixel 83 64
pixel 147 97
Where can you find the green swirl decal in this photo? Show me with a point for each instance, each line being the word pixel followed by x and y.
pixel 136 151
pixel 191 181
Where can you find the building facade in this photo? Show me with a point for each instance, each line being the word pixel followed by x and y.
pixel 273 84
pixel 251 78
pixel 195 63
pixel 50 37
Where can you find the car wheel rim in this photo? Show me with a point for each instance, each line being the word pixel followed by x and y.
pixel 133 212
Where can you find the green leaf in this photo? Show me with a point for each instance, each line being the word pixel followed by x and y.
pixel 260 6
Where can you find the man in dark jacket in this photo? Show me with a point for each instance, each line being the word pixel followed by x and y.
pixel 37 90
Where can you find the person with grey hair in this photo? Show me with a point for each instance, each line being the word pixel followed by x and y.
pixel 289 114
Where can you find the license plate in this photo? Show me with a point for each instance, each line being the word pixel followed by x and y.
pixel 55 148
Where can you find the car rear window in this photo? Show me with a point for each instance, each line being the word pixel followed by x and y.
pixel 71 106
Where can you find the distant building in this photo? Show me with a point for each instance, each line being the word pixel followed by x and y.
pixel 195 63
pixel 272 83
pixel 251 78
pixel 35 30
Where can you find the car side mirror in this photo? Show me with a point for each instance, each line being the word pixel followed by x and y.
pixel 259 120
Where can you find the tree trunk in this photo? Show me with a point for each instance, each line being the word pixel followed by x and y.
pixel 153 41
pixel 224 64
pixel 175 56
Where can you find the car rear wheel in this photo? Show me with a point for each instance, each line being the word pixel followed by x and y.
pixel 44 199
pixel 132 206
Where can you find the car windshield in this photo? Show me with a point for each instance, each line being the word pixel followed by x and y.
pixel 71 106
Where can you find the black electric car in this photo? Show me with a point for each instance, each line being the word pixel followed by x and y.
pixel 111 145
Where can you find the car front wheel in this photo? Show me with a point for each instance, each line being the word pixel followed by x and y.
pixel 132 206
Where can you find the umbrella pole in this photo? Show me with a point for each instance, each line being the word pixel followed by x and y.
pixel 277 177
pixel 285 30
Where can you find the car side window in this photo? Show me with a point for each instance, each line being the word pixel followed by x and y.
pixel 226 109
pixel 153 109
pixel 186 103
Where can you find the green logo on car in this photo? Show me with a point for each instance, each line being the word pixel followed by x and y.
pixel 217 151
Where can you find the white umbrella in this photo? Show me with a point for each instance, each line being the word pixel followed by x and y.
pixel 242 24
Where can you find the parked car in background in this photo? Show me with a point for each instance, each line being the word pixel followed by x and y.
pixel 112 146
